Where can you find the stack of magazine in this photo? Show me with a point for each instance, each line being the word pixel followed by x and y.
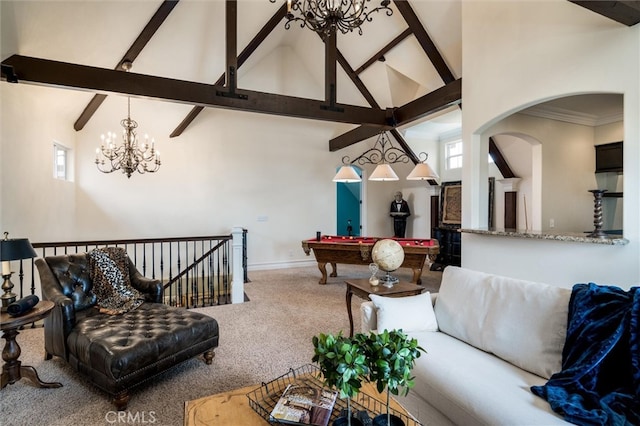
pixel 304 404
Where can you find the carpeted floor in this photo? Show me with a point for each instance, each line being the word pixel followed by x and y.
pixel 259 340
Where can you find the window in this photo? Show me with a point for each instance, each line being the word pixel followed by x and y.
pixel 453 154
pixel 60 162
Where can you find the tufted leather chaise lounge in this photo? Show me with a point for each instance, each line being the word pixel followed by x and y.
pixel 118 352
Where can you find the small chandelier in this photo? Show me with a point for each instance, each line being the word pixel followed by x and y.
pixel 383 154
pixel 327 16
pixel 131 156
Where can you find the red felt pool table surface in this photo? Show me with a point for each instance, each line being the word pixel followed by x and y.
pixel 357 251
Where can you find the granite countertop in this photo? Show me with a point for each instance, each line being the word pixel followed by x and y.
pixel 575 237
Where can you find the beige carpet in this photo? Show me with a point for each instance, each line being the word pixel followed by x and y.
pixel 259 340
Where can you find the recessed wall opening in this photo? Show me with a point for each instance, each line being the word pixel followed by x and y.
pixel 550 148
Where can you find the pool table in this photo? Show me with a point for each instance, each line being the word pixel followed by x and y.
pixel 357 251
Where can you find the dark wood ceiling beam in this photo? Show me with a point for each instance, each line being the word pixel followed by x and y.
pixel 499 160
pixel 406 33
pixel 425 41
pixel 356 80
pixel 244 55
pixel 61 74
pixel 149 30
pixel 450 94
pixel 353 136
pixel 439 99
pixel 353 76
pixel 330 68
pixel 404 145
pixel 624 12
pixel 231 31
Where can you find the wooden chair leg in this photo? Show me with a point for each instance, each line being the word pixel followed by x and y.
pixel 208 356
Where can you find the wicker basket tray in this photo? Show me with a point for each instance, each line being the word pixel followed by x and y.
pixel 264 399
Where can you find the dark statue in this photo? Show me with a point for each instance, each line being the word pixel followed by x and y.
pixel 399 211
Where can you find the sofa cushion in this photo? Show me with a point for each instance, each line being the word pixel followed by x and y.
pixel 473 387
pixel 411 313
pixel 522 322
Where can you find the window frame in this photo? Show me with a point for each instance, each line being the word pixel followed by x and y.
pixel 448 157
pixel 59 149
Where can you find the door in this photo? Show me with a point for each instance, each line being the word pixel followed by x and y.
pixel 348 207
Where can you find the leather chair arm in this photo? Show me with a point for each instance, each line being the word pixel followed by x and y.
pixel 151 288
pixel 59 323
pixel 52 291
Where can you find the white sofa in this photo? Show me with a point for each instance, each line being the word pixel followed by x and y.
pixel 488 340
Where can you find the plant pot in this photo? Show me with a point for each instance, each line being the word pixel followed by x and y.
pixel 344 421
pixel 381 420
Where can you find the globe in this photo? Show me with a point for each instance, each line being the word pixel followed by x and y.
pixel 388 255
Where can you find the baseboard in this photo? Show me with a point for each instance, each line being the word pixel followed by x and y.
pixel 280 265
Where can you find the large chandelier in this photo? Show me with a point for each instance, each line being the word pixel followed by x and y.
pixel 131 156
pixel 327 16
pixel 383 154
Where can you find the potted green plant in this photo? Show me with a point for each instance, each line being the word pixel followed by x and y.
pixel 391 356
pixel 343 365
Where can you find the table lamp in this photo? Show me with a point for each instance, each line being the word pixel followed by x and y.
pixel 12 249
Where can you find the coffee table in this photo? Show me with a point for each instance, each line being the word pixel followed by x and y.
pixel 363 289
pixel 232 408
pixel 13 370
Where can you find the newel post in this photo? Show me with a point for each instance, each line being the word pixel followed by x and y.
pixel 237 283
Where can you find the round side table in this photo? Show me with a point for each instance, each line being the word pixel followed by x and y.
pixel 12 370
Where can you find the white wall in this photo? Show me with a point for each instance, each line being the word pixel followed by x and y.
pixel 269 174
pixel 34 205
pixel 535 51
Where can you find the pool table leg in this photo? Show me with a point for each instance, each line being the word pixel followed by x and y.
pixel 322 266
pixel 417 273
pixel 335 270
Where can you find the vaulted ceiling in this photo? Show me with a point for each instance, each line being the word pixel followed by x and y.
pixel 402 69
pixel 394 74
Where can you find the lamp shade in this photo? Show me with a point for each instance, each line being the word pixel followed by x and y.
pixel 15 249
pixel 383 172
pixel 347 174
pixel 422 171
